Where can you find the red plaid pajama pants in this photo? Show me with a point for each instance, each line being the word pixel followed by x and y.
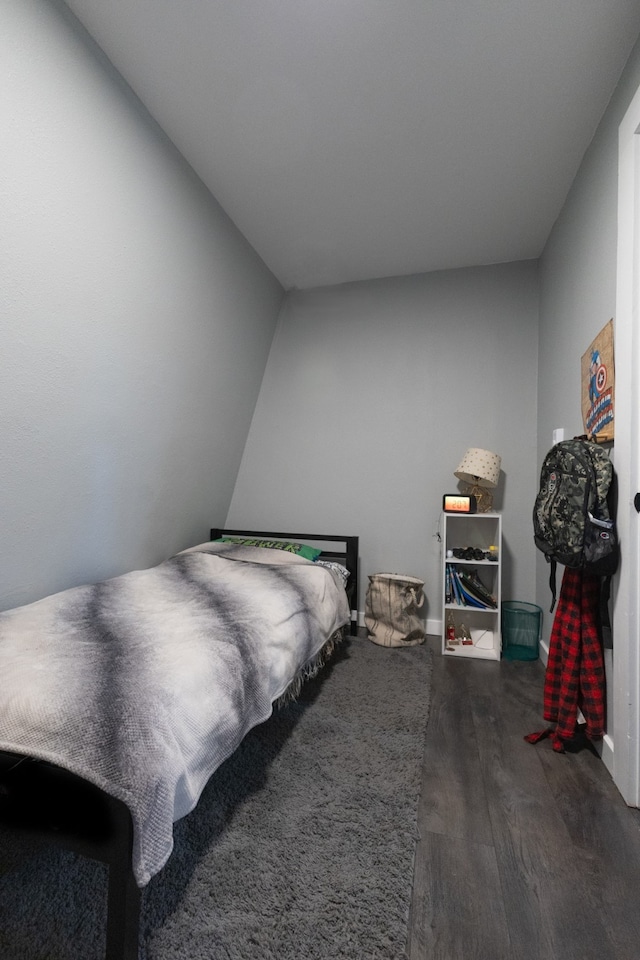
pixel 575 675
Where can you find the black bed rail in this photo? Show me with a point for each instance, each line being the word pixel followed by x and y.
pixel 47 805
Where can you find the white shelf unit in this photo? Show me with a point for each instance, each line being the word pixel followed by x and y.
pixel 477 531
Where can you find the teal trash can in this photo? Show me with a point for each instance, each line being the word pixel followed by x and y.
pixel 521 624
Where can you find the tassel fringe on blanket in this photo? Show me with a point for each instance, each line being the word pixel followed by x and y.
pixel 310 669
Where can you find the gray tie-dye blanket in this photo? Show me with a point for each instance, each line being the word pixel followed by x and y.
pixel 146 683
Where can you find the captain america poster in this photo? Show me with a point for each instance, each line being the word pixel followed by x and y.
pixel 598 386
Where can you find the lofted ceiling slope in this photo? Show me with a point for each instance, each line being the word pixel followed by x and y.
pixel 357 139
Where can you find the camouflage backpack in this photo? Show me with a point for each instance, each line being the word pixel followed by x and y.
pixel 573 520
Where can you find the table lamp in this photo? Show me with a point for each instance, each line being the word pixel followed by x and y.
pixel 481 470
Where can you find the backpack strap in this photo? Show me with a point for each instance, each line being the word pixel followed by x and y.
pixel 552 583
pixel 603 613
pixel 605 589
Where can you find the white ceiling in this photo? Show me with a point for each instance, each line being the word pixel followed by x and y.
pixel 353 139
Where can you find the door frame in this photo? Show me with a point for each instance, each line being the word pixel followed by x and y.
pixel 626 614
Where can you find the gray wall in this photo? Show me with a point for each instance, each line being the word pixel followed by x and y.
pixel 578 282
pixel 373 392
pixel 135 321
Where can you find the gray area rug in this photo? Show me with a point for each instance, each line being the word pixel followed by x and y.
pixel 302 844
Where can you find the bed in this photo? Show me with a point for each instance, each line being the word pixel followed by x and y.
pixel 121 699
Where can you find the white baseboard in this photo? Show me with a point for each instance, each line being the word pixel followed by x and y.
pixel 432 627
pixel 605 749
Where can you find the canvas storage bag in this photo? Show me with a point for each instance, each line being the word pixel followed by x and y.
pixel 391 610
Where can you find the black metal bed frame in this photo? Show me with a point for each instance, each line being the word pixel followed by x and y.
pixel 47 804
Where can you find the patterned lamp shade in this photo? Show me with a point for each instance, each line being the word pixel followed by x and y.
pixel 479 467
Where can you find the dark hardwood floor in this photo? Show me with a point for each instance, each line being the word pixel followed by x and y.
pixel 524 854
